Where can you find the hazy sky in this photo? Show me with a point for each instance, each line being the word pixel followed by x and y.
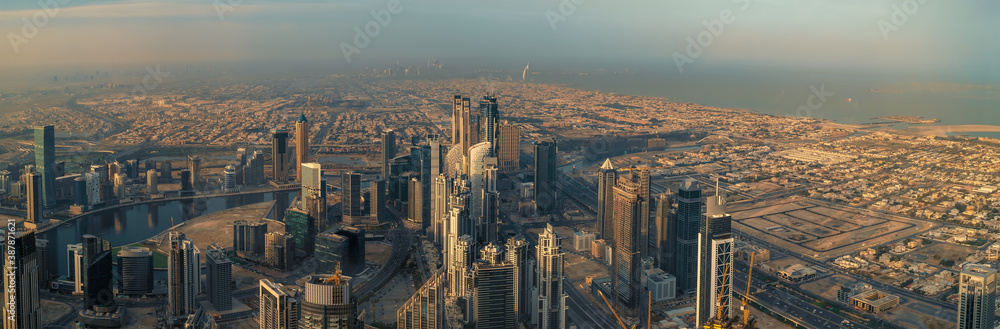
pixel 937 35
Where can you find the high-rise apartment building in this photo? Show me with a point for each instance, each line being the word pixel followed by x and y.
pixel 508 146
pixel 280 158
pixel 183 276
pixel 715 263
pixel 248 237
pixel 626 258
pixel 97 278
pixel 607 177
pixel 388 150
pixel 279 250
pixel 350 195
pixel 551 298
pixel 977 290
pixel 219 278
pixel 489 113
pixel 135 270
pixel 545 176
pixel 666 227
pixel 279 307
pixel 22 307
pixel 45 162
pixel 425 309
pixel 689 203
pixel 35 188
pixel 301 143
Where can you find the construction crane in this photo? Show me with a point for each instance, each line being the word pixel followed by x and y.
pixel 746 296
pixel 718 303
pixel 613 311
pixel 336 276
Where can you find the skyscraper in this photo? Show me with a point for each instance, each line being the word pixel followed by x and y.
pixel 279 250
pixel 279 307
pixel 97 278
pixel 456 120
pixel 303 229
pixel 439 208
pixel 666 231
pixel 301 143
pixel 219 278
pixel 545 176
pixel 689 203
pixel 551 299
pixel 508 146
pixel 607 177
pixel 350 195
pixel 425 309
pixel 183 276
pixel 22 308
pixel 314 192
pixel 248 237
pixel 415 204
pixel 45 162
pixel 715 263
pixel 135 270
pixel 35 196
pixel 977 290
pixel 328 303
pixel 331 252
pixel 627 239
pixel 229 179
pixel 517 255
pixel 194 165
pixel 279 155
pixel 489 112
pixel 493 303
pixel 151 181
pixel 388 150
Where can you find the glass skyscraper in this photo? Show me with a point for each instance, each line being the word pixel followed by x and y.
pixel 45 162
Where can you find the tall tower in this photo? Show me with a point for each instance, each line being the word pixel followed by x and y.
pixel 34 188
pixel 314 192
pixel 45 162
pixel 489 113
pixel 301 143
pixel 551 299
pixel 627 239
pixel 508 146
pixel 666 231
pixel 493 295
pixel 279 155
pixel 689 203
pixel 23 299
pixel 545 176
pixel 456 120
pixel 219 279
pixel 425 309
pixel 183 275
pixel 135 268
pixel 388 150
pixel 607 177
pixel 977 288
pixel 350 195
pixel 715 263
pixel 441 191
pixel 279 307
pixel 97 278
pixel 517 255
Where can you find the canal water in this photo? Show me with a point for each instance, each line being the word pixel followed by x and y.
pixel 134 223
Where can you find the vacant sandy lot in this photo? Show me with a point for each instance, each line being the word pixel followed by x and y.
pixel 578 268
pixel 936 251
pixel 216 227
pixel 773 209
pixel 52 311
pixel 377 252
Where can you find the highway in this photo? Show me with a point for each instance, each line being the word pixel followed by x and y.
pixel 401 239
